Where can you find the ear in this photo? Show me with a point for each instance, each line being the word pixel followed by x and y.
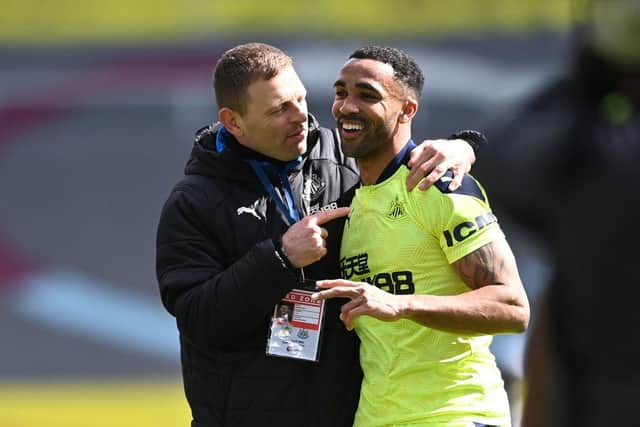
pixel 409 110
pixel 232 121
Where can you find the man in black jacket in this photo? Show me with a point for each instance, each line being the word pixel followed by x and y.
pixel 250 220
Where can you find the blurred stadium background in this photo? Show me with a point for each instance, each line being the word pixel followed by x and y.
pixel 98 104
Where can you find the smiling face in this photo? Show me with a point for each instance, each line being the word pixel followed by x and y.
pixel 275 120
pixel 370 109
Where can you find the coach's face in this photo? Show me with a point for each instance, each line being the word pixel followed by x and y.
pixel 275 122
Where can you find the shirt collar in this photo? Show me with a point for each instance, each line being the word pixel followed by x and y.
pixel 402 158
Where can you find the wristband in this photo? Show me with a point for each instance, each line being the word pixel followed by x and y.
pixel 283 255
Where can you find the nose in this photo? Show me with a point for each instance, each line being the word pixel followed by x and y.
pixel 347 106
pixel 300 111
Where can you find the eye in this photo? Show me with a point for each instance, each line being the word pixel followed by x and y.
pixel 370 96
pixel 279 110
pixel 341 93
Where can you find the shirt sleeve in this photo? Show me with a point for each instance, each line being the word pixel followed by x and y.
pixel 465 221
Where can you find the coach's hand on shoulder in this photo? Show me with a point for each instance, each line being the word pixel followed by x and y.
pixel 305 241
pixel 432 158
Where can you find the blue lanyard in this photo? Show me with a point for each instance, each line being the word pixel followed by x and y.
pixel 287 209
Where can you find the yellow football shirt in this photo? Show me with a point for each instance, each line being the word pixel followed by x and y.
pixel 404 243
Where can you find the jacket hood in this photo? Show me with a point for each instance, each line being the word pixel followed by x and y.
pixel 231 163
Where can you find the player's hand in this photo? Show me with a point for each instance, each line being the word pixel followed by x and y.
pixel 366 300
pixel 432 158
pixel 305 241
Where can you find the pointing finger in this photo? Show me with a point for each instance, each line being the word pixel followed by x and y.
pixel 327 284
pixel 338 292
pixel 325 216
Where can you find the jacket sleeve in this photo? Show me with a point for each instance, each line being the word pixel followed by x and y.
pixel 202 288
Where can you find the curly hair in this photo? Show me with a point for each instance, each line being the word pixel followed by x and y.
pixel 405 68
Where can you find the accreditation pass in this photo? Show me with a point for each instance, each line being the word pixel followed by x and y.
pixel 296 327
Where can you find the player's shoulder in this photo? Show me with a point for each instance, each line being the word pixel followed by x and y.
pixel 470 187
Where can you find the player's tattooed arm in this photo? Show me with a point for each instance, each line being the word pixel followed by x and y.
pixel 496 302
pixel 491 264
pixel 492 274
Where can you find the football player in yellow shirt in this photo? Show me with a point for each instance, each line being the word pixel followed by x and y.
pixel 429 275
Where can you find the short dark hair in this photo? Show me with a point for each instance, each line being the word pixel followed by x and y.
pixel 240 66
pixel 405 68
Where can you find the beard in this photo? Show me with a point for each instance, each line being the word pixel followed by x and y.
pixel 371 140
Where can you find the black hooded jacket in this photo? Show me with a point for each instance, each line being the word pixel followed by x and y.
pixel 220 274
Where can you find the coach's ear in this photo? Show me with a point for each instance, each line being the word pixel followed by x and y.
pixel 232 121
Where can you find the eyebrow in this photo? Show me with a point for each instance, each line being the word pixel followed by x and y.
pixel 366 86
pixel 276 103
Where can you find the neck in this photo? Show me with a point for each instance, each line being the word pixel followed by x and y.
pixel 372 165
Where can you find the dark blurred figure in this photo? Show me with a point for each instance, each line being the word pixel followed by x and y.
pixel 566 166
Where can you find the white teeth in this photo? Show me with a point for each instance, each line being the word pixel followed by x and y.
pixel 352 126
